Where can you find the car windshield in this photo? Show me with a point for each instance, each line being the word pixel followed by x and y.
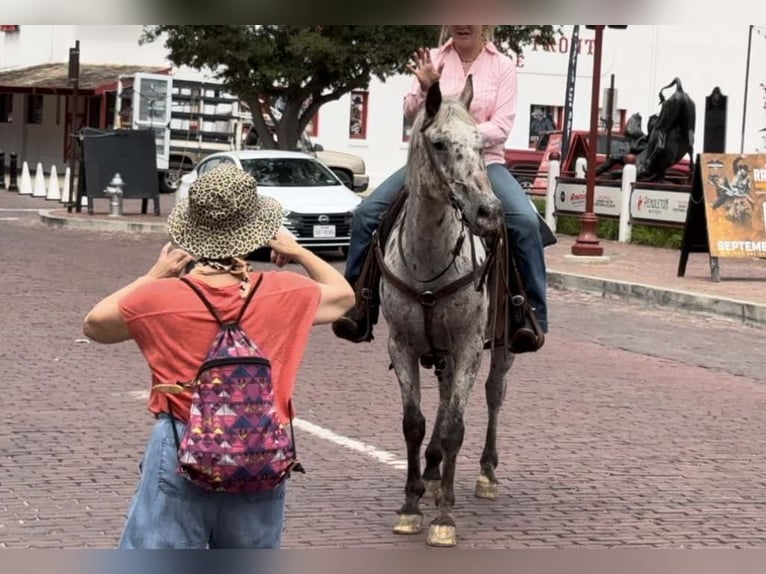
pixel 289 172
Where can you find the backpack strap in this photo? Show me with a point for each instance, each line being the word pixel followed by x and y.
pixel 204 300
pixel 249 297
pixel 210 306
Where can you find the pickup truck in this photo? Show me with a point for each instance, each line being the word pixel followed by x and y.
pixel 529 166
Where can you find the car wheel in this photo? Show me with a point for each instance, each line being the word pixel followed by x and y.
pixel 170 180
pixel 345 177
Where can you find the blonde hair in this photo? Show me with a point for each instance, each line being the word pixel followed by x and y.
pixel 487 31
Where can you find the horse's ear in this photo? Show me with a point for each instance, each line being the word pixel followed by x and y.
pixel 467 94
pixel 433 100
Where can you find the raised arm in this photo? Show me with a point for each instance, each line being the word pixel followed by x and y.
pixel 337 296
pixel 426 73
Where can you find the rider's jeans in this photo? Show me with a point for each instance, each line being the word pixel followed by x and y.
pixel 520 218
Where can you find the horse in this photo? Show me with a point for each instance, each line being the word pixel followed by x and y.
pixel 435 297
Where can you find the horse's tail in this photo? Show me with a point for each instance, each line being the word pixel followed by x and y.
pixel 679 88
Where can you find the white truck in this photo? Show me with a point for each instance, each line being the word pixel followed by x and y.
pixel 193 118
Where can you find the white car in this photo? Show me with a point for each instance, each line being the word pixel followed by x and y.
pixel 317 206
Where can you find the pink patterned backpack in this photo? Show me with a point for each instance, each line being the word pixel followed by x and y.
pixel 233 441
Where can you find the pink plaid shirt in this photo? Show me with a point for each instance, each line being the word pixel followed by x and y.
pixel 494 93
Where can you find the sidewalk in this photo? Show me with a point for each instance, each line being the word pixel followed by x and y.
pixel 632 272
pixel 650 274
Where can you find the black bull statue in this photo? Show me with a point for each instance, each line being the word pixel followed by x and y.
pixel 670 138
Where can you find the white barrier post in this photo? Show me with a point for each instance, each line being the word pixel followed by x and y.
pixel 54 192
pixel 65 190
pixel 39 190
pixel 581 167
pixel 554 171
pixel 628 178
pixel 25 188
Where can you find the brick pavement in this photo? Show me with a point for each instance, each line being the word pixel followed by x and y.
pixel 632 427
pixel 742 280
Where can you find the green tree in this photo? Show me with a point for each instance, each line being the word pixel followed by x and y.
pixel 305 66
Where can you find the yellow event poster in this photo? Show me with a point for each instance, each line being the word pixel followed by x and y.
pixel 735 203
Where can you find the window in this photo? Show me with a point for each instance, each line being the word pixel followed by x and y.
pixel 289 172
pixel 34 109
pixel 357 128
pixel 542 118
pixel 619 119
pixel 312 128
pixel 6 108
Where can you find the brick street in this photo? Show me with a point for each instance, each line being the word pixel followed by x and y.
pixel 632 427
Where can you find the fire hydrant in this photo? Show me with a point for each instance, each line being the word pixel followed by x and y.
pixel 114 191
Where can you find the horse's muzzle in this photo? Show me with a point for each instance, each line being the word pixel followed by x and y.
pixel 488 219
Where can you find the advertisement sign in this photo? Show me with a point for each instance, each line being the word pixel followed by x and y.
pixel 570 197
pixel 658 205
pixel 734 188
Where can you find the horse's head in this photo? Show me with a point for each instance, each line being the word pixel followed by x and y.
pixel 453 147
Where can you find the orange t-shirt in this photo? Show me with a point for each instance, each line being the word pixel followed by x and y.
pixel 174 330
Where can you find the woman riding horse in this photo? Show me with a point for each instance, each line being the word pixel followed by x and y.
pixel 470 50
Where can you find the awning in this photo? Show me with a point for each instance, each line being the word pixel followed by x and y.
pixel 95 79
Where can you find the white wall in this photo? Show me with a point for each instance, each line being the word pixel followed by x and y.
pixel 42 44
pixel 642 58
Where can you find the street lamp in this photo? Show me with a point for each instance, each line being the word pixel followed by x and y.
pixel 587 242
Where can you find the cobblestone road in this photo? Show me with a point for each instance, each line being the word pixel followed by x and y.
pixel 632 427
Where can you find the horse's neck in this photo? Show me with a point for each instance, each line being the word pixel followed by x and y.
pixel 430 230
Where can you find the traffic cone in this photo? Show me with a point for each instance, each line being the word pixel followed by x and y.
pixel 65 191
pixel 25 188
pixel 54 193
pixel 39 190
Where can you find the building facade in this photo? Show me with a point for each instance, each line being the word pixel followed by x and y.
pixel 642 59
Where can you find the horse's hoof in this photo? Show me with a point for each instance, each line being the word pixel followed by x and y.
pixel 485 488
pixel 442 536
pixel 432 487
pixel 409 524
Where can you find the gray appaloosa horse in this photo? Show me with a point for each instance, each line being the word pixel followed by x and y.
pixel 436 304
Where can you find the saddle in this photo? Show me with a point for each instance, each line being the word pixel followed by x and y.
pixel 509 307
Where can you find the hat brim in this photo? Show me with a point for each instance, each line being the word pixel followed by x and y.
pixel 229 242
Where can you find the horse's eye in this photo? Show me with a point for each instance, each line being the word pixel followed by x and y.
pixel 440 146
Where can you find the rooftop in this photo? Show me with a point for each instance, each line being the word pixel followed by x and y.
pixel 54 78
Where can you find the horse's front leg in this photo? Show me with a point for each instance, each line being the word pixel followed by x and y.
pixel 466 363
pixel 486 485
pixel 432 474
pixel 405 363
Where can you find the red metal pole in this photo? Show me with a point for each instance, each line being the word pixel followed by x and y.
pixel 587 241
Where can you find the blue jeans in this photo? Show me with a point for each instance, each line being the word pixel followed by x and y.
pixel 168 511
pixel 520 217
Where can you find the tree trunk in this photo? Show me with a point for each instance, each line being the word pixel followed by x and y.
pixel 289 131
pixel 265 137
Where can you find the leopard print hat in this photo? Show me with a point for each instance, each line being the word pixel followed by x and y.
pixel 224 216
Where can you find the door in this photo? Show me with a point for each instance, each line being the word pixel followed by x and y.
pixel 151 111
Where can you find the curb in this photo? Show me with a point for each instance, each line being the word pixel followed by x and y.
pixel 746 312
pixel 743 311
pixel 116 224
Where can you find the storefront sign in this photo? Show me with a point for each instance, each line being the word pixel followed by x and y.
pixel 658 205
pixel 570 198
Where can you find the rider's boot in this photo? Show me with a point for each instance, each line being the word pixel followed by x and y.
pixel 528 336
pixel 354 326
pixel 527 339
